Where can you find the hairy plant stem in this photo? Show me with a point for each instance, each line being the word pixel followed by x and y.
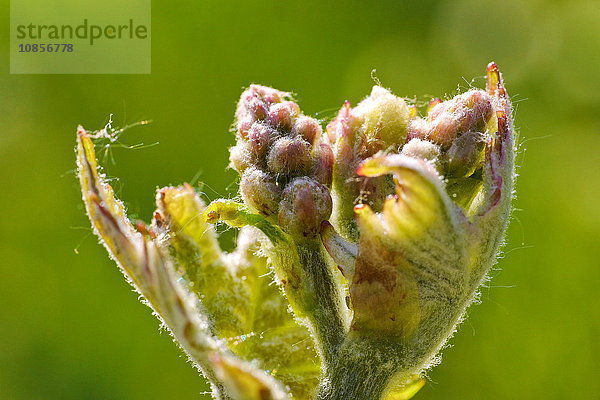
pixel 321 299
pixel 357 373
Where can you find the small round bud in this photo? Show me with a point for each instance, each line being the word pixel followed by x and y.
pixel 257 109
pixel 282 115
pixel 465 155
pixel 289 156
pixel 418 128
pixel 273 97
pixel 323 164
pixel 239 157
pixel 260 192
pixel 243 126
pixel 308 128
pixel 305 204
pixel 260 137
pixel 467 112
pixel 268 94
pixel 256 100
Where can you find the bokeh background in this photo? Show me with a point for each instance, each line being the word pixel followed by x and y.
pixel 70 326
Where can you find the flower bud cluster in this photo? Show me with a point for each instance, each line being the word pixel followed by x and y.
pixel 284 162
pixel 451 137
pixel 458 126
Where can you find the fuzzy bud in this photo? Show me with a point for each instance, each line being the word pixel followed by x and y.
pixel 243 126
pixel 255 103
pixel 308 128
pixel 467 112
pixel 385 118
pixel 304 205
pixel 419 260
pixel 289 156
pixel 260 136
pixel 323 163
pixel 239 157
pixel 260 191
pixel 282 115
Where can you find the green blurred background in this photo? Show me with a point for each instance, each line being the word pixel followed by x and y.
pixel 71 327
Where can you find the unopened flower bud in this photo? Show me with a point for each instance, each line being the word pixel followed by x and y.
pixel 243 126
pixel 289 156
pixel 385 118
pixel 257 109
pixel 260 191
pixel 323 161
pixel 305 204
pixel 260 136
pixel 239 157
pixel 255 102
pixel 282 115
pixel 308 128
pixel 467 112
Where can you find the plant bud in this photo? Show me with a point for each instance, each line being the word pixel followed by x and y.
pixel 418 128
pixel 385 118
pixel 260 137
pixel 289 156
pixel 467 112
pixel 308 128
pixel 239 157
pixel 282 115
pixel 465 155
pixel 323 161
pixel 243 126
pixel 257 109
pixel 305 204
pixel 255 102
pixel 260 191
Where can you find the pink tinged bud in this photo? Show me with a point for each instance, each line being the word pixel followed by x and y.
pixel 260 136
pixel 308 128
pixel 268 94
pixel 243 126
pixel 304 206
pixel 289 156
pixel 418 128
pixel 282 115
pixel 257 109
pixel 467 112
pixel 323 160
pixel 255 102
pixel 260 191
pixel 240 158
pixel 465 155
